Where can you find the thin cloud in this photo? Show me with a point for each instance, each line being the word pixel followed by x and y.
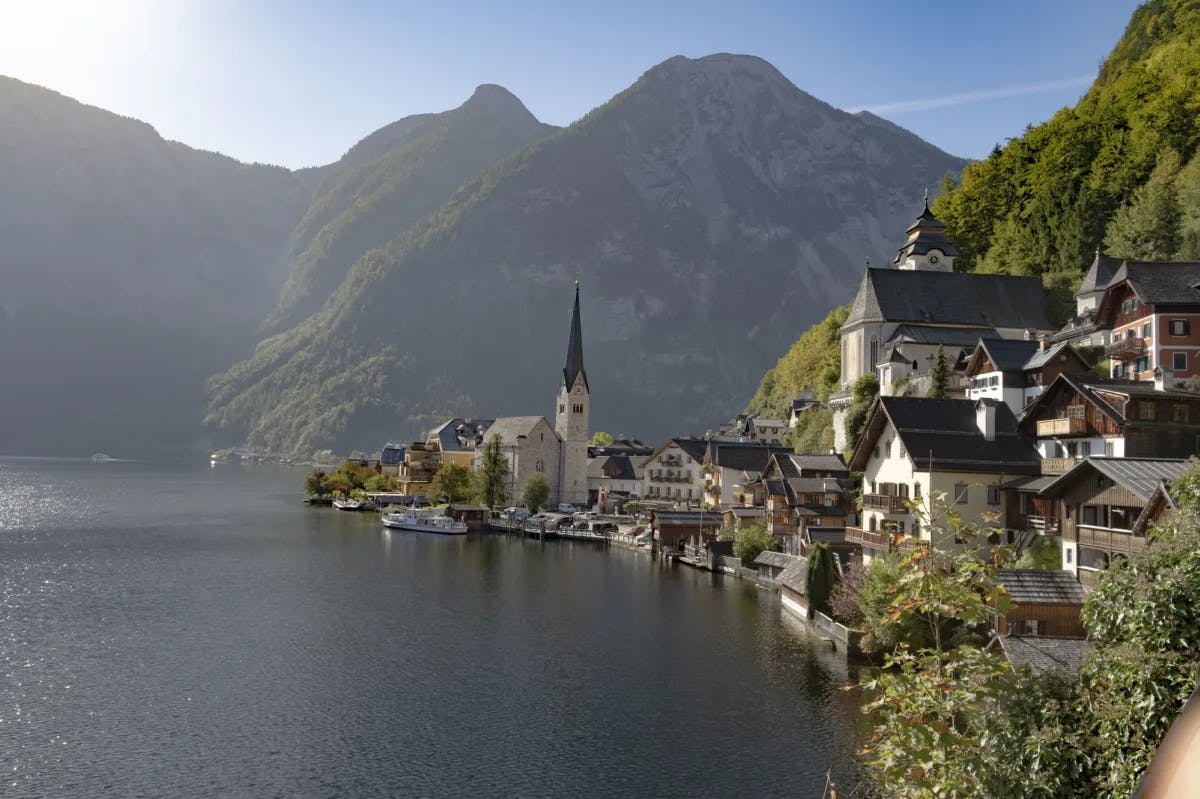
pixel 983 95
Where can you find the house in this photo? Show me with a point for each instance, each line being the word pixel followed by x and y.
pixel 530 446
pixel 613 479
pixel 390 458
pixel 913 448
pixel 805 400
pixel 1097 506
pixel 771 565
pixel 674 528
pixel 737 517
pixel 807 499
pixel 674 471
pixel 731 466
pixel 792 591
pixel 1153 309
pixel 1083 330
pixel 1081 415
pixel 749 428
pixel 1017 371
pixel 902 315
pixel 1045 602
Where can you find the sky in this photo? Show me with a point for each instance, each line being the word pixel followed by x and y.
pixel 298 83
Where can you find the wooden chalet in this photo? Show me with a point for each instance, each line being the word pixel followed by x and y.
pixel 1017 370
pixel 1098 506
pixel 1045 602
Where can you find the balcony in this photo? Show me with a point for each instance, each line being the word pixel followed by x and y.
pixel 1066 426
pixel 885 502
pixel 1110 539
pixel 1057 465
pixel 869 539
pixel 1126 349
pixel 1042 525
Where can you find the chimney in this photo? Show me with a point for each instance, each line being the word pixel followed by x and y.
pixel 1163 378
pixel 1041 344
pixel 985 419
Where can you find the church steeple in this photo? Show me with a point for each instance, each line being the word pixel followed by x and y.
pixel 574 367
pixel 927 248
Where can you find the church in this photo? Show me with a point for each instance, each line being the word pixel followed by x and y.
pixel 902 315
pixel 558 453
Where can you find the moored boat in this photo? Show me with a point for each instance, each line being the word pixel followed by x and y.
pixel 419 522
pixel 348 504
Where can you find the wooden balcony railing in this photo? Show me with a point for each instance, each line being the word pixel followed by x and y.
pixel 868 538
pixel 1126 349
pixel 885 503
pixel 1110 539
pixel 1066 426
pixel 1057 465
pixel 1042 525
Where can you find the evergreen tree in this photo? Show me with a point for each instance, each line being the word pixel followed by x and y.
pixel 1149 227
pixel 939 376
pixel 491 481
pixel 821 577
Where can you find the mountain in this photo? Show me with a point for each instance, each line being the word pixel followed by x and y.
pixel 130 268
pixel 711 210
pixel 389 182
pixel 1043 202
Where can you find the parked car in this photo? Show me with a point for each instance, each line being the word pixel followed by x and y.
pixel 566 507
pixel 585 515
pixel 516 513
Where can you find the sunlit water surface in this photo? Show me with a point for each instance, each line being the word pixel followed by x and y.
pixel 174 630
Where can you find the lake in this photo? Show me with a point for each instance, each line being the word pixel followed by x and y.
pixel 186 630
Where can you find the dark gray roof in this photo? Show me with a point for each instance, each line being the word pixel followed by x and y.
pixel 1140 475
pixel 1031 484
pixel 779 560
pixel 694 447
pixel 458 434
pixel 815 462
pixel 1077 327
pixel 1041 586
pixel 1042 654
pixel 746 512
pixel 742 455
pixel 612 467
pixel 946 431
pixel 574 365
pixel 925 234
pixel 688 518
pixel 949 336
pixel 775 487
pixel 1041 357
pixel 794 575
pixel 950 298
pixel 1008 355
pixel 816 485
pixel 1099 274
pixel 1092 389
pixel 1161 283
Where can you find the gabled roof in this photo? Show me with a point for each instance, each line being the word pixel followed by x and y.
pixel 510 427
pixel 1099 274
pixel 1041 586
pixel 949 298
pixel 948 336
pixel 746 512
pixel 1042 654
pixel 686 518
pixel 1007 355
pixel 458 434
pixel 612 467
pixel 815 462
pixel 794 575
pixel 742 456
pixel 943 435
pixel 1161 502
pixel 694 448
pixel 1043 357
pixel 1107 394
pixel 780 560
pixel 1160 282
pixel 1141 476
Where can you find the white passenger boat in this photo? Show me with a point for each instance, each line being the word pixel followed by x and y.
pixel 423 522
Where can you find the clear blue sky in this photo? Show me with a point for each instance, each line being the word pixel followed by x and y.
pixel 298 83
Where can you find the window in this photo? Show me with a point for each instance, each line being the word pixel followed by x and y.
pixel 871 523
pixel 1180 327
pixel 541 467
pixel 814 522
pixel 917 490
pixel 993 495
pixel 1067 553
pixel 1146 330
pixel 960 494
pixel 829 500
pixel 1110 448
pixel 1179 413
pixel 1141 364
pixel 1179 361
pixel 561 407
pixel 689 493
pixel 1085 449
pixel 1146 411
pixel 874 352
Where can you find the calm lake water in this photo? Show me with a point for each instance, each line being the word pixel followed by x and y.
pixel 173 630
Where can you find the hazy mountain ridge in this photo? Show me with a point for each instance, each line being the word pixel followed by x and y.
pixel 712 210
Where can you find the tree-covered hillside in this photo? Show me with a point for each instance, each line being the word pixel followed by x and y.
pixel 1042 203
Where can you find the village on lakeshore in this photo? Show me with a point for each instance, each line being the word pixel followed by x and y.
pixel 982 425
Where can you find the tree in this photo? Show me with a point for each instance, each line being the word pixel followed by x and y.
pixel 600 439
pixel 939 376
pixel 535 491
pixel 821 577
pixel 314 483
pixel 862 399
pixel 1148 227
pixel 491 481
pixel 749 541
pixel 453 483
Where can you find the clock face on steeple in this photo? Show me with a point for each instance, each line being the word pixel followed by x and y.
pixel 933 259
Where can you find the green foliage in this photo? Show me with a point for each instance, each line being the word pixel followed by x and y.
pixel 600 439
pixel 1044 553
pixel 491 481
pixel 814 363
pixel 535 491
pixel 377 482
pixel 939 376
pixel 813 431
pixel 352 476
pixel 1148 228
pixel 453 483
pixel 314 483
pixel 863 397
pixel 751 540
pixel 843 600
pixel 821 577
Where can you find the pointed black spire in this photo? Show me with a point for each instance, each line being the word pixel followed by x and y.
pixel 574 366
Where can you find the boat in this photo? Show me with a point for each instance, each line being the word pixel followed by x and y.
pixel 419 522
pixel 100 457
pixel 348 504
